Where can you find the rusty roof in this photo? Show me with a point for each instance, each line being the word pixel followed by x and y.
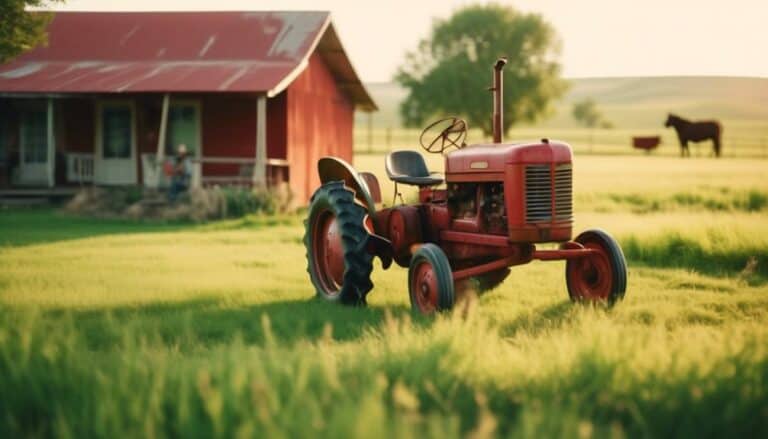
pixel 121 52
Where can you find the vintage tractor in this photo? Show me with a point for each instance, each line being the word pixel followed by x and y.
pixel 498 202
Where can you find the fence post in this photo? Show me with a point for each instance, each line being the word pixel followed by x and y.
pixel 370 132
pixel 389 138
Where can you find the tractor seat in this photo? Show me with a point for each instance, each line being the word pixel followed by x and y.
pixel 408 167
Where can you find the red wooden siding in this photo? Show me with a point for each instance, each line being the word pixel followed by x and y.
pixel 320 120
pixel 77 117
pixel 277 127
pixel 229 130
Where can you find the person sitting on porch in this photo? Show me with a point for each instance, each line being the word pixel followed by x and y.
pixel 181 174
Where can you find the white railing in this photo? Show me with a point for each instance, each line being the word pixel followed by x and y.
pixel 80 167
pixel 152 173
pixel 277 171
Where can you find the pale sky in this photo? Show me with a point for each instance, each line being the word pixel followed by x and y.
pixel 599 37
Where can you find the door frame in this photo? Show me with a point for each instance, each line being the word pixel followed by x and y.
pixel 197 165
pixel 98 177
pixel 197 104
pixel 41 168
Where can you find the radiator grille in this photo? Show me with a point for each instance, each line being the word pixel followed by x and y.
pixel 540 195
pixel 563 192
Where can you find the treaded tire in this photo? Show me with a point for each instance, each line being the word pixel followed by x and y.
pixel 335 199
pixel 609 282
pixel 430 280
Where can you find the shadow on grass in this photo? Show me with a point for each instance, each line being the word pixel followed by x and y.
pixel 207 322
pixel 29 226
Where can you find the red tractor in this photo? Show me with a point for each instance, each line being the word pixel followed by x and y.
pixel 498 202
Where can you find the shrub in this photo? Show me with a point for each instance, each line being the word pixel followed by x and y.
pixel 238 202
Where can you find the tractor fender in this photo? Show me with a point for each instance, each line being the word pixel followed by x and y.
pixel 335 169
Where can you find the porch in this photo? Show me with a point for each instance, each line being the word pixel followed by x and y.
pixel 55 144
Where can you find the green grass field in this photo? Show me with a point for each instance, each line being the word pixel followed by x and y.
pixel 111 328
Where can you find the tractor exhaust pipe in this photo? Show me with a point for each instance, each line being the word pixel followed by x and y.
pixel 498 93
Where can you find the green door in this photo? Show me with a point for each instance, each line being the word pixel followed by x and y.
pixel 183 128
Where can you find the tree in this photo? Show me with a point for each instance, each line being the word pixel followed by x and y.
pixel 586 113
pixel 450 71
pixel 20 29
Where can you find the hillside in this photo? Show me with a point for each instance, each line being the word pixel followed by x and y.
pixel 638 103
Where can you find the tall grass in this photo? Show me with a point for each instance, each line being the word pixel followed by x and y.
pixel 715 252
pixel 125 329
pixel 701 199
pixel 453 376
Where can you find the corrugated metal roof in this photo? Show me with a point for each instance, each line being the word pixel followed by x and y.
pixel 108 52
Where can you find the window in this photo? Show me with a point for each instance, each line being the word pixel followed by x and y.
pixel 34 136
pixel 116 132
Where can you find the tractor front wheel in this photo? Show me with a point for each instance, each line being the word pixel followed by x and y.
pixel 430 280
pixel 600 277
pixel 338 262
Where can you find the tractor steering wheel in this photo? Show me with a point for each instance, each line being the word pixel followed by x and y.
pixel 453 132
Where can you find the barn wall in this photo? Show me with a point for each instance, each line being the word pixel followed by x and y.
pixel 77 117
pixel 229 130
pixel 74 128
pixel 277 127
pixel 147 126
pixel 320 122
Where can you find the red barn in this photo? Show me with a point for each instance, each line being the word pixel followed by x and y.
pixel 257 97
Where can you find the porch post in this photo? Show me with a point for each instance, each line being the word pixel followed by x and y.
pixel 260 165
pixel 51 139
pixel 160 156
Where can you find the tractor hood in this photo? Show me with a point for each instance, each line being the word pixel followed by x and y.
pixel 493 157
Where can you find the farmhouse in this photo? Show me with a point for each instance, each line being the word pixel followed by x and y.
pixel 257 97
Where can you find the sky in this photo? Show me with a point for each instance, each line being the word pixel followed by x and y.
pixel 599 38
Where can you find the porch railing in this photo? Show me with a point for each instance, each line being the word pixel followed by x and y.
pixel 80 167
pixel 277 172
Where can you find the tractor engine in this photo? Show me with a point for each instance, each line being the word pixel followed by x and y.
pixel 478 207
pixel 520 190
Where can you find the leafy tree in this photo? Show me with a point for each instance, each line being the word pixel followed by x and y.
pixel 586 113
pixel 450 71
pixel 20 29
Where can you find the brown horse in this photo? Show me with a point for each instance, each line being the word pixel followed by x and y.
pixel 695 132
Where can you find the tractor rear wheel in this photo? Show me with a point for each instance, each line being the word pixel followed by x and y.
pixel 601 277
pixel 338 262
pixel 430 280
